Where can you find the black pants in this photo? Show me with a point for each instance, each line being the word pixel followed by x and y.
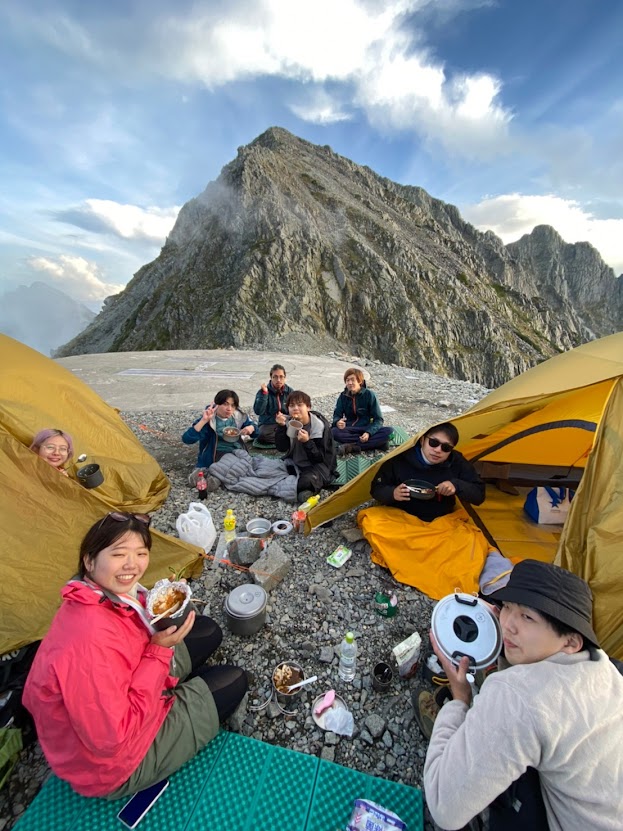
pixel 520 807
pixel 228 684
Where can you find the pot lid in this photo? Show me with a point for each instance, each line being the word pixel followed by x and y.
pixel 464 625
pixel 246 600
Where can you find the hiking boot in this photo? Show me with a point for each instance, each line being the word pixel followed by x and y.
pixel 213 484
pixel 347 449
pixel 425 709
pixel 426 706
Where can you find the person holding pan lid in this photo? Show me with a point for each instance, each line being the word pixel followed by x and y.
pixel 541 745
pixel 419 531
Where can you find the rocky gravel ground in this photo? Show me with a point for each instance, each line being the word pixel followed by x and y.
pixel 310 610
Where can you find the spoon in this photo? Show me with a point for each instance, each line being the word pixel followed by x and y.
pixel 302 683
pixel 167 612
pixel 82 457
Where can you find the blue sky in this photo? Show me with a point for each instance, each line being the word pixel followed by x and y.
pixel 113 115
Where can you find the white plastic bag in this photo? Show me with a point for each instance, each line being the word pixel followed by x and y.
pixel 196 526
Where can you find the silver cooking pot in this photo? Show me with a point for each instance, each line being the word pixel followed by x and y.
pixel 245 609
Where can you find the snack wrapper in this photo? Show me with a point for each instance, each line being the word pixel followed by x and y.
pixel 407 654
pixel 367 814
pixel 338 557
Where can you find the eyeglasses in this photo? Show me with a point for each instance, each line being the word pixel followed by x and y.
pixel 443 444
pixel 120 516
pixel 52 447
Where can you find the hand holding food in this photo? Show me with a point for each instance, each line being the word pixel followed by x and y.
pixel 341 424
pixel 280 419
pixel 402 493
pixel 174 635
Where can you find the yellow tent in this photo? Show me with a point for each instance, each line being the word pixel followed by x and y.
pixel 558 423
pixel 44 515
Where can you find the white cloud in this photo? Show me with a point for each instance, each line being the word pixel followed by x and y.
pixel 132 222
pixel 363 46
pixel 512 215
pixel 79 278
pixel 320 108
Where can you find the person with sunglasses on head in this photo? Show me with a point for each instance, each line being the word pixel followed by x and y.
pixel 270 400
pixel 119 706
pixel 55 447
pixel 541 746
pixel 435 548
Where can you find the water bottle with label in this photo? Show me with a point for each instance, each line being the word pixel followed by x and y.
pixel 229 525
pixel 348 657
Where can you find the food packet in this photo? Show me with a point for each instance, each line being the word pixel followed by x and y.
pixel 367 814
pixel 339 721
pixel 338 557
pixel 407 655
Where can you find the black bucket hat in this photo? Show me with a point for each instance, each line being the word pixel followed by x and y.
pixel 553 590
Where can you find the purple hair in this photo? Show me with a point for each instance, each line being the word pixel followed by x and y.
pixel 48 433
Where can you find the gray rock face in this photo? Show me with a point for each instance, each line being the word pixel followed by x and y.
pixel 292 238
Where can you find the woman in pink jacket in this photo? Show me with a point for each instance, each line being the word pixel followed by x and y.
pixel 117 705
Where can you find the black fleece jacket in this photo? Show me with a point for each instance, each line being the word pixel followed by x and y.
pixel 319 451
pixel 456 469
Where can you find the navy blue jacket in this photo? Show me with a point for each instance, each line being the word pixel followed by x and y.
pixel 360 410
pixel 267 405
pixel 207 438
pixel 456 469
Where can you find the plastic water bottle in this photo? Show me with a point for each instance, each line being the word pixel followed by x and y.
pixel 309 503
pixel 229 525
pixel 202 486
pixel 348 657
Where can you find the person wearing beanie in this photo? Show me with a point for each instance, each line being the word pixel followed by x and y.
pixel 542 745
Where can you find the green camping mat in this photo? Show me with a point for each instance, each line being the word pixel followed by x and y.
pixel 398 437
pixel 239 784
pixel 349 467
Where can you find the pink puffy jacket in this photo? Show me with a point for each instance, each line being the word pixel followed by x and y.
pixel 96 691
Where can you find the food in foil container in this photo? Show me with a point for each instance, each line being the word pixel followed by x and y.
pixel 367 814
pixel 166 596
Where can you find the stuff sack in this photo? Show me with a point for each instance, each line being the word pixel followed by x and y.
pixel 196 526
pixel 548 506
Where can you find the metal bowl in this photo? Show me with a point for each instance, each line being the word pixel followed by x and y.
pixel 259 528
pixel 419 489
pixel 231 434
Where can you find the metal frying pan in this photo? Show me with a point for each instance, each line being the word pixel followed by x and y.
pixel 419 489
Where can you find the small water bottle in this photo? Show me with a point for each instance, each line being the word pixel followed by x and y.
pixel 229 525
pixel 202 486
pixel 348 657
pixel 309 503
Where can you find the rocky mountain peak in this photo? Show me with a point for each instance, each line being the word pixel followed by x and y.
pixel 294 240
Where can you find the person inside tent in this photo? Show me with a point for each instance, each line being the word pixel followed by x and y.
pixel 357 418
pixel 418 532
pixel 311 449
pixel 223 414
pixel 270 400
pixel 541 745
pixel 55 447
pixel 118 705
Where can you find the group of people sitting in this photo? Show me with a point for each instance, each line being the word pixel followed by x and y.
pixel 119 706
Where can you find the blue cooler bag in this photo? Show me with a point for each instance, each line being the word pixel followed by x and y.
pixel 548 506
